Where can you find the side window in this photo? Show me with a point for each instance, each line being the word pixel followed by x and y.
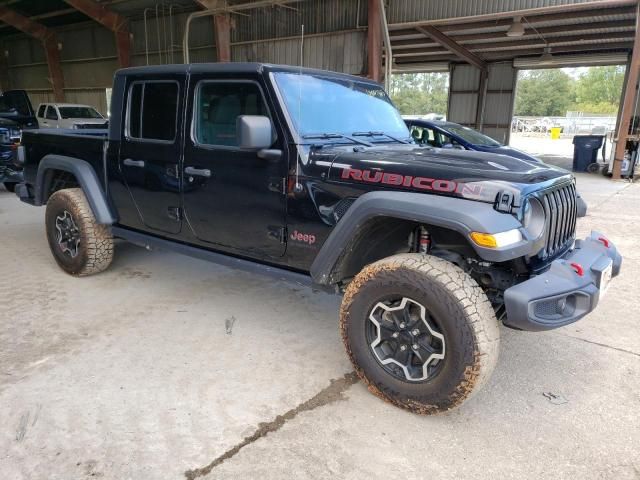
pixel 41 109
pixel 51 113
pixel 417 133
pixel 217 107
pixel 430 136
pixel 423 135
pixel 153 111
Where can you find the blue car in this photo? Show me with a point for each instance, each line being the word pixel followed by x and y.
pixel 441 134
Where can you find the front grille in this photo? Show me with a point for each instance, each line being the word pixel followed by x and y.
pixel 561 213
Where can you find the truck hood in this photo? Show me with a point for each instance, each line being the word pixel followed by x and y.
pixel 6 123
pixel 468 174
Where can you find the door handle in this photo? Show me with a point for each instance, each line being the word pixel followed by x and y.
pixel 200 172
pixel 133 163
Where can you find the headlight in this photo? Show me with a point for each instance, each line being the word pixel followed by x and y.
pixel 496 240
pixel 533 218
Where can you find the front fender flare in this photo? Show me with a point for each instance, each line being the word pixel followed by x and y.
pixel 460 215
pixel 87 178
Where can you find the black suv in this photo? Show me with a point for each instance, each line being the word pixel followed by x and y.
pixel 313 175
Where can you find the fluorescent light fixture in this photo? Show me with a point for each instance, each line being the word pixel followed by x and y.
pixel 516 29
pixel 574 60
pixel 420 67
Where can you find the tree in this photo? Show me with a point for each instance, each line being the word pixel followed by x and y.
pixel 544 93
pixel 598 89
pixel 420 93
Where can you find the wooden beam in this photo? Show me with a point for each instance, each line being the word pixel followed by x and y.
pixel 115 22
pixel 456 48
pixel 374 41
pixel 222 28
pixel 630 93
pixel 4 71
pixel 49 42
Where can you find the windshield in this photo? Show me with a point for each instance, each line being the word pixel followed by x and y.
pixel 318 104
pixel 14 103
pixel 78 112
pixel 472 136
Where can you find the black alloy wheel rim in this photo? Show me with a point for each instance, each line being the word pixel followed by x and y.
pixel 405 339
pixel 68 235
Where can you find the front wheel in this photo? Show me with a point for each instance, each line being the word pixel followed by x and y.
pixel 420 332
pixel 80 245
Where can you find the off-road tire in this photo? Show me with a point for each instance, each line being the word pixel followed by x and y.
pixel 95 249
pixel 10 186
pixel 466 319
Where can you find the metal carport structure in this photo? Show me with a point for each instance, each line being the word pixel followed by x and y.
pixel 482 43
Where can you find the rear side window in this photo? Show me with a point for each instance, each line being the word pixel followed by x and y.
pixel 51 113
pixel 153 111
pixel 41 110
pixel 218 106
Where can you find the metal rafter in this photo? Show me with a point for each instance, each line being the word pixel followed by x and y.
pixel 49 42
pixel 115 22
pixel 456 48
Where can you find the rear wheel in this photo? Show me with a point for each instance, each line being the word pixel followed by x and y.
pixel 420 332
pixel 79 244
pixel 10 186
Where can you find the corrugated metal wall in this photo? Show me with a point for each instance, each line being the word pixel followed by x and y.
pixel 342 52
pixel 464 83
pixel 498 105
pixel 402 11
pixel 335 40
pixel 497 108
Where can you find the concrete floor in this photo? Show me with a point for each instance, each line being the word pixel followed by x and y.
pixel 166 367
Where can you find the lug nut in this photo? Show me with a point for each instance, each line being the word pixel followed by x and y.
pixel 403 347
pixel 415 346
pixel 402 325
pixel 395 334
pixel 415 331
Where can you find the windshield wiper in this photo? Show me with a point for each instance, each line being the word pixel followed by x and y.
pixel 329 136
pixel 378 134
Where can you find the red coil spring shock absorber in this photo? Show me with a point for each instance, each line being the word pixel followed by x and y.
pixel 424 241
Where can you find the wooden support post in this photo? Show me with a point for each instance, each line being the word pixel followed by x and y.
pixel 374 41
pixel 55 70
pixel 628 104
pixel 222 29
pixel 49 42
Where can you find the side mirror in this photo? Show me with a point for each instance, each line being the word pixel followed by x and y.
pixel 254 132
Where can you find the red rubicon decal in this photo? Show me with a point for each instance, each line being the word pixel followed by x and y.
pixel 421 183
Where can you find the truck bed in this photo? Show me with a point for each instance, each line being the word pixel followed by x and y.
pixel 86 144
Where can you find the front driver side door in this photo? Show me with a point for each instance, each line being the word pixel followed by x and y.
pixel 232 198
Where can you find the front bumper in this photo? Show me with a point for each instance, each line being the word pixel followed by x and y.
pixel 569 290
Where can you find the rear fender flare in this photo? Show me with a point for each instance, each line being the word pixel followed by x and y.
pixel 457 214
pixel 87 178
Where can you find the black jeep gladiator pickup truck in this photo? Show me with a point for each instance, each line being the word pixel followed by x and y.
pixel 313 175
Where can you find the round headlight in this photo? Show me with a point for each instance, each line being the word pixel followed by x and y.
pixel 533 218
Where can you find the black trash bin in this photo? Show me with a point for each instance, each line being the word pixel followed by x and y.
pixel 585 151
